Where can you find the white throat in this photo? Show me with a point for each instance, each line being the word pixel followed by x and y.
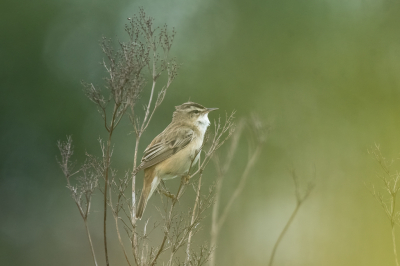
pixel 203 122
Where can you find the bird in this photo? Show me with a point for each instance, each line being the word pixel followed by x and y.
pixel 174 150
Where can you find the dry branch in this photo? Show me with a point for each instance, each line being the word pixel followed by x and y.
pixel 259 135
pixel 301 196
pixel 391 188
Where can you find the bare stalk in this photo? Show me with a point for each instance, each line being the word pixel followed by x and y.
pixel 218 218
pixel 196 202
pixel 90 242
pixel 300 198
pixel 394 246
pixel 115 213
pixel 105 199
pixel 106 162
pixel 240 187
pixel 218 221
pixel 278 241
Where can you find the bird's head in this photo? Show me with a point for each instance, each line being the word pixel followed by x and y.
pixel 193 113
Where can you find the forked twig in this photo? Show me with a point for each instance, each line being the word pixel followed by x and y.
pixel 259 132
pixel 300 198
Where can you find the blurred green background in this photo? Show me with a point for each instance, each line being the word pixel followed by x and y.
pixel 326 72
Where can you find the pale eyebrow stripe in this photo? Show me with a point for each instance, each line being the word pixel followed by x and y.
pixel 190 105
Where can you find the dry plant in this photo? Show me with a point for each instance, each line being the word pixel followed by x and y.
pixel 301 196
pixel 388 197
pixel 86 184
pixel 259 135
pixel 145 56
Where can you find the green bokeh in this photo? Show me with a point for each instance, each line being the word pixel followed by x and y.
pixel 325 72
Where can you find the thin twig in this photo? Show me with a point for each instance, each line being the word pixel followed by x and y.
pixel 106 170
pixel 278 241
pixel 217 219
pixel 90 242
pixel 193 217
pixel 300 198
pixel 240 187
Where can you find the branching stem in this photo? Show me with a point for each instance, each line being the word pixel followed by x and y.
pixel 300 198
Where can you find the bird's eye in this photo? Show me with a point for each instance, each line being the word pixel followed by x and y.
pixel 195 111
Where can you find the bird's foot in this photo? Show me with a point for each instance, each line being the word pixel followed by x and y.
pixel 185 179
pixel 166 193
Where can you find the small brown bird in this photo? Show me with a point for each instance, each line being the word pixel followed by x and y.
pixel 171 153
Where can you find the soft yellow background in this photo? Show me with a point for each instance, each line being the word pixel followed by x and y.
pixel 326 72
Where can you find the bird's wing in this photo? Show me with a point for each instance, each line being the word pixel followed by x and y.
pixel 162 148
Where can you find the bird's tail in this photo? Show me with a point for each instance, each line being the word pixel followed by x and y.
pixel 148 188
pixel 142 203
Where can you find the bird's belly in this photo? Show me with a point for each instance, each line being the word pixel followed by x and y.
pixel 179 163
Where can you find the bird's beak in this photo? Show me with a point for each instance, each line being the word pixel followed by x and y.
pixel 211 109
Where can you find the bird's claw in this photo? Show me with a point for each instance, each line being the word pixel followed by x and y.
pixel 186 179
pixel 166 193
